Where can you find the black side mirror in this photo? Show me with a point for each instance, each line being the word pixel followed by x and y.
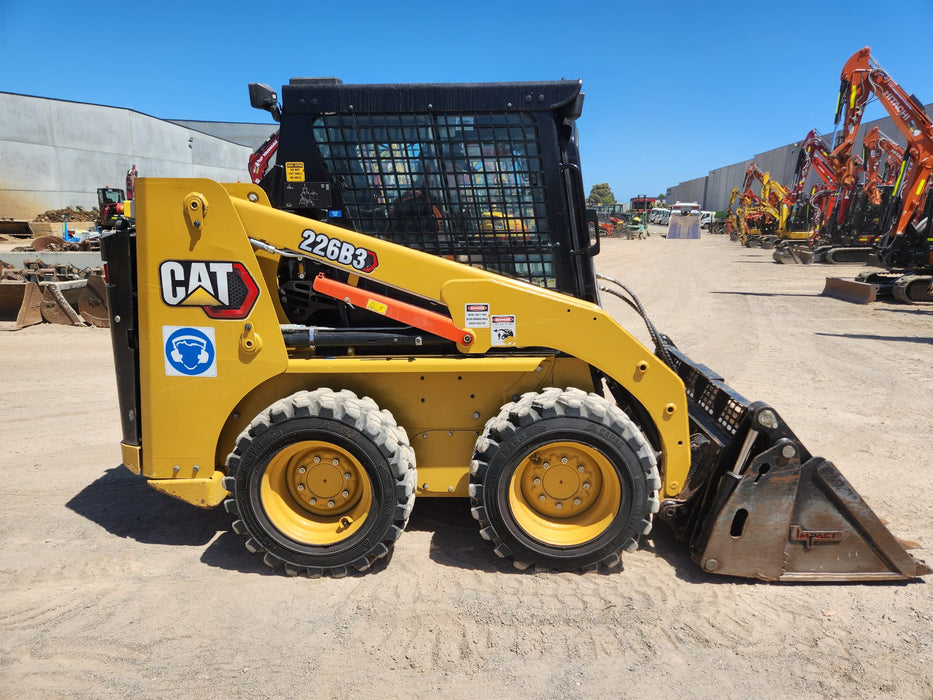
pixel 261 96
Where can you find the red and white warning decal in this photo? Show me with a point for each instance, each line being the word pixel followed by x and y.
pixel 476 316
pixel 502 329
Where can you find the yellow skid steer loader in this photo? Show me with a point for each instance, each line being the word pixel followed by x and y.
pixel 317 351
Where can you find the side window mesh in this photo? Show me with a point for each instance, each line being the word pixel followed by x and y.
pixel 469 187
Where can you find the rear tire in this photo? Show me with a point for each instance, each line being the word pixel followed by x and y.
pixel 323 483
pixel 563 480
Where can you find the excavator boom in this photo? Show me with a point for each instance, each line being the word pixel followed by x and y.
pixel 863 77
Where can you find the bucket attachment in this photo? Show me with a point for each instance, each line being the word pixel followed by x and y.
pixel 787 521
pixel 757 504
pixel 20 301
pixel 59 300
pixel 793 255
pixel 34 300
pixel 15 227
pixel 850 290
pixel 30 310
pixel 92 304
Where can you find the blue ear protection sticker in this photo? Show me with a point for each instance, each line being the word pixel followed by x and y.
pixel 189 352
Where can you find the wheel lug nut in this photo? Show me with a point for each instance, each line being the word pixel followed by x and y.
pixel 335 462
pixel 346 477
pixel 576 501
pixel 317 460
pixel 330 504
pixel 302 470
pixel 542 497
pixel 586 484
pixel 537 481
pixel 312 501
pixel 301 487
pixel 346 493
pixel 580 468
pixel 564 460
pixel 559 506
pixel 546 465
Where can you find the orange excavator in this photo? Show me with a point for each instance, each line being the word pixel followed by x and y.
pixel 869 207
pixel 903 245
pixel 824 214
pixel 884 163
pixel 815 155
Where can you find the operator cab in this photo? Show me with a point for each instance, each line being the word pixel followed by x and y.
pixel 485 174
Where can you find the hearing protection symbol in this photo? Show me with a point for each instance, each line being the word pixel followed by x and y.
pixel 189 351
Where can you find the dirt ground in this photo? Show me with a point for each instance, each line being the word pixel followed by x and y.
pixel 113 590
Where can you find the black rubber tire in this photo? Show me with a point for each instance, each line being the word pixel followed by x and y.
pixel 352 425
pixel 553 416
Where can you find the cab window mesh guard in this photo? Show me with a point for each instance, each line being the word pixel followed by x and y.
pixel 469 187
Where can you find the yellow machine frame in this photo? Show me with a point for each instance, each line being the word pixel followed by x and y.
pixel 441 401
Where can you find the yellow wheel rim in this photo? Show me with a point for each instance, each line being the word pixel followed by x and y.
pixel 316 493
pixel 565 494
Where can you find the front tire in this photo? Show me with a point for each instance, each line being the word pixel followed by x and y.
pixel 323 483
pixel 563 480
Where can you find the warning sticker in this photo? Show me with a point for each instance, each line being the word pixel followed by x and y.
pixel 376 306
pixel 502 330
pixel 477 316
pixel 295 171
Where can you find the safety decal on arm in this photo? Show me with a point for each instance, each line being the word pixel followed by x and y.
pixel 476 316
pixel 502 329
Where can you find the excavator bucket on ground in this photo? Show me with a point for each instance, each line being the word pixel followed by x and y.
pixel 30 310
pixel 20 302
pixel 92 304
pixel 793 255
pixel 29 303
pixel 59 300
pixel 55 293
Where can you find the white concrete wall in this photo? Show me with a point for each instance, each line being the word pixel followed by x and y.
pixel 690 191
pixel 243 133
pixel 779 162
pixel 55 154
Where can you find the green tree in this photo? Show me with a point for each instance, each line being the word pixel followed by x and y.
pixel 601 195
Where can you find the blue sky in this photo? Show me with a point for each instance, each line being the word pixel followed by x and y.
pixel 673 89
